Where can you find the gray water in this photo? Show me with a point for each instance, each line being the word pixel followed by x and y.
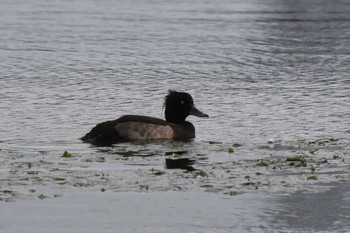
pixel 264 71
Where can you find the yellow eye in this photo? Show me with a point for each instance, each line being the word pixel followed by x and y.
pixel 182 102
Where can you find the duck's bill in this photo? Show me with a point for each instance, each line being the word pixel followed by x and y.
pixel 195 112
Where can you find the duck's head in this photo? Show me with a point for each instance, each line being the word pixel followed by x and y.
pixel 179 105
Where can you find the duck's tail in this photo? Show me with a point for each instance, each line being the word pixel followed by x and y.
pixel 102 134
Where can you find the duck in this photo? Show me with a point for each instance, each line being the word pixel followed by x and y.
pixel 178 106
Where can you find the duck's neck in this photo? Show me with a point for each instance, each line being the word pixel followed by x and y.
pixel 174 117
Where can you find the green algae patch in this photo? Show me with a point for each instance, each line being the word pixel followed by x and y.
pixel 59 179
pixel 262 163
pixel 312 169
pixel 313 152
pixel 66 154
pixel 313 177
pixel 230 150
pixel 299 159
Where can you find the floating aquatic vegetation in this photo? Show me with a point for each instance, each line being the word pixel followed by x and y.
pixel 312 177
pixel 66 154
pixel 312 168
pixel 300 159
pixel 230 150
pixel 277 167
pixel 58 179
pixel 262 163
pixel 313 151
pixel 323 142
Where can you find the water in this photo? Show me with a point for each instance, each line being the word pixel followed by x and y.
pixel 263 70
pixel 139 212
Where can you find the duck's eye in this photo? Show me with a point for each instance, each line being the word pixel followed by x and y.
pixel 182 102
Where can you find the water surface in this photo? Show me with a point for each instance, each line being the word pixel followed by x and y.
pixel 272 75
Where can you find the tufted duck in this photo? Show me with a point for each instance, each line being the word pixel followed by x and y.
pixel 178 105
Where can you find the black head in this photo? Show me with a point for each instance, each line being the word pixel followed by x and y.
pixel 178 106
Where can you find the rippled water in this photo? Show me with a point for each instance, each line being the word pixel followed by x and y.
pixel 277 69
pixel 261 69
